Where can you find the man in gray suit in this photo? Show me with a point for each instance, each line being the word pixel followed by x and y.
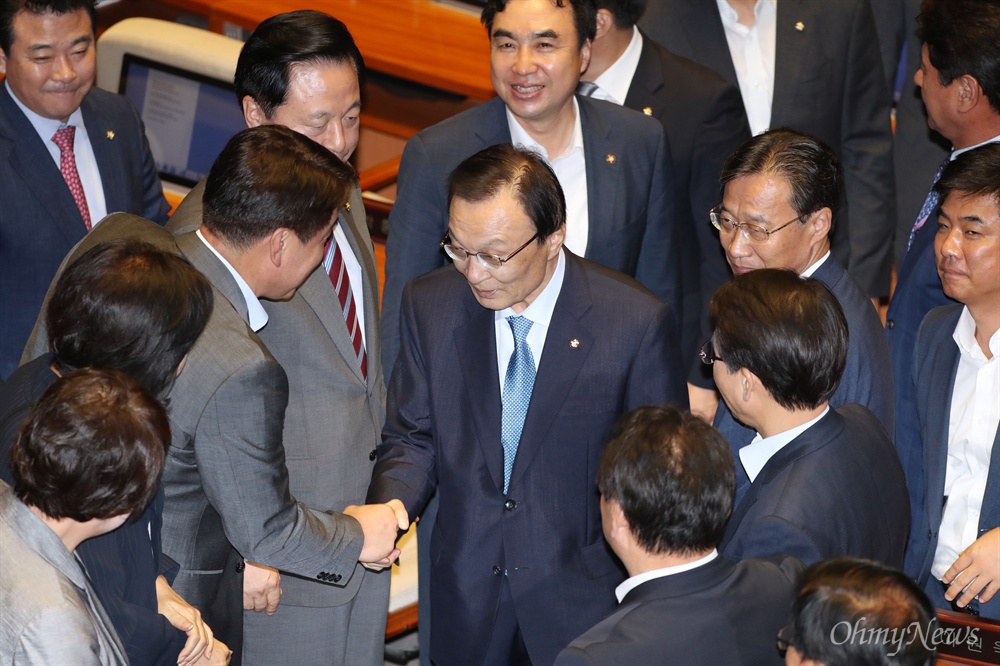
pixel 336 402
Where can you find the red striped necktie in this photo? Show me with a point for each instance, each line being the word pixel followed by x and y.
pixel 67 166
pixel 342 285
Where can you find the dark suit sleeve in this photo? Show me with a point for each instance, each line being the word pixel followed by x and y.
pixel 575 656
pixel 418 221
pixel 406 462
pixel 866 156
pixel 658 375
pixel 658 268
pixel 154 204
pixel 796 541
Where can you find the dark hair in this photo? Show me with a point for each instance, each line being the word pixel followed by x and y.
pixel 482 176
pixel 304 36
pixel 962 38
pixel 626 12
pixel 9 9
pixel 673 476
pixel 789 331
pixel 809 166
pixel 92 447
pixel 975 172
pixel 584 16
pixel 270 177
pixel 128 306
pixel 841 594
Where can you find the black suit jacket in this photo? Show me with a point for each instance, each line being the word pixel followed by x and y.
pixel 610 347
pixel 122 564
pixel 722 612
pixel 39 221
pixel 629 195
pixel 836 489
pixel 828 82
pixel 704 119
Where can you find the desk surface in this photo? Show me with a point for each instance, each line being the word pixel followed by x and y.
pixel 418 40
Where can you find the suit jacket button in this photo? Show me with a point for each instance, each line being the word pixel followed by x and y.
pixel 336 578
pixel 509 505
pixel 371 456
pixel 240 567
pixel 497 570
pixel 890 324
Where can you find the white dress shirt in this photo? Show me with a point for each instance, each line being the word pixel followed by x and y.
pixel 972 427
pixel 354 273
pixel 614 82
pixel 752 50
pixel 256 314
pixel 540 315
pixel 633 582
pixel 571 171
pixel 83 153
pixel 755 455
pixel 815 267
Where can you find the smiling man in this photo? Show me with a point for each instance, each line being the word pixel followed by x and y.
pixel 780 192
pixel 514 365
pixel 951 434
pixel 69 154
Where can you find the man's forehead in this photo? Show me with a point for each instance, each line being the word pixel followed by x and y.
pixel 515 20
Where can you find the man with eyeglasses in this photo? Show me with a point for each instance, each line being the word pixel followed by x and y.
pixel 514 365
pixel 825 481
pixel 781 190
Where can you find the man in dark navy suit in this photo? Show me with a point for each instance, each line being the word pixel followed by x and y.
pixel 51 194
pixel 666 483
pixel 515 364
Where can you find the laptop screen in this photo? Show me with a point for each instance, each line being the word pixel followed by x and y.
pixel 189 117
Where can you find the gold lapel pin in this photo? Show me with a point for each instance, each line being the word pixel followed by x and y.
pixel 574 343
pixel 800 26
pixel 347 205
pixel 648 110
pixel 111 135
pixel 611 159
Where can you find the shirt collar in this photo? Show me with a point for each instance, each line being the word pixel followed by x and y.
pixel 635 581
pixel 755 455
pixel 540 310
pixel 46 127
pixel 617 79
pixel 812 269
pixel 965 338
pixel 256 314
pixel 731 17
pixel 520 137
pixel 956 153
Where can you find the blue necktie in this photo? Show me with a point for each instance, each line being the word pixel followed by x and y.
pixel 930 203
pixel 517 385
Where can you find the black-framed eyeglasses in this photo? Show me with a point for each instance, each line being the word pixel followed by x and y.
pixel 707 353
pixel 460 254
pixel 783 640
pixel 727 225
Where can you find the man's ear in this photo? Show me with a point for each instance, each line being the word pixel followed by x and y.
pixel 749 382
pixel 820 223
pixel 276 245
pixel 253 115
pixel 605 22
pixel 970 93
pixel 619 523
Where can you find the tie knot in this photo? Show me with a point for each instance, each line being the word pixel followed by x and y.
pixel 586 88
pixel 519 326
pixel 64 138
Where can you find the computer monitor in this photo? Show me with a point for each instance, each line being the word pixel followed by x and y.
pixel 189 117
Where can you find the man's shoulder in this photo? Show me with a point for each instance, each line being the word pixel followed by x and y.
pixel 939 325
pixel 103 104
pixel 618 122
pixel 852 298
pixel 488 116
pixel 680 72
pixel 615 289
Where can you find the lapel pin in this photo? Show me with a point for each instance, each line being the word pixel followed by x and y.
pixel 574 343
pixel 611 159
pixel 111 135
pixel 800 26
pixel 347 205
pixel 648 110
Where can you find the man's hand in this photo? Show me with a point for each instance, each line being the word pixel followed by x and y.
pixel 182 615
pixel 977 570
pixel 221 655
pixel 261 588
pixel 380 524
pixel 704 402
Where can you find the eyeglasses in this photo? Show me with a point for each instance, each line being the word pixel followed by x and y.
pixel 728 225
pixel 460 254
pixel 783 640
pixel 707 353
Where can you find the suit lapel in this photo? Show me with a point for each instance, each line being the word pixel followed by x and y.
pixel 604 178
pixel 30 158
pixel 106 153
pixel 647 80
pixel 942 370
pixel 706 36
pixel 477 357
pixel 790 49
pixel 360 240
pixel 560 364
pixel 494 128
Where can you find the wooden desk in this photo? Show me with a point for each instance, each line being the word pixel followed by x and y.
pixel 417 40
